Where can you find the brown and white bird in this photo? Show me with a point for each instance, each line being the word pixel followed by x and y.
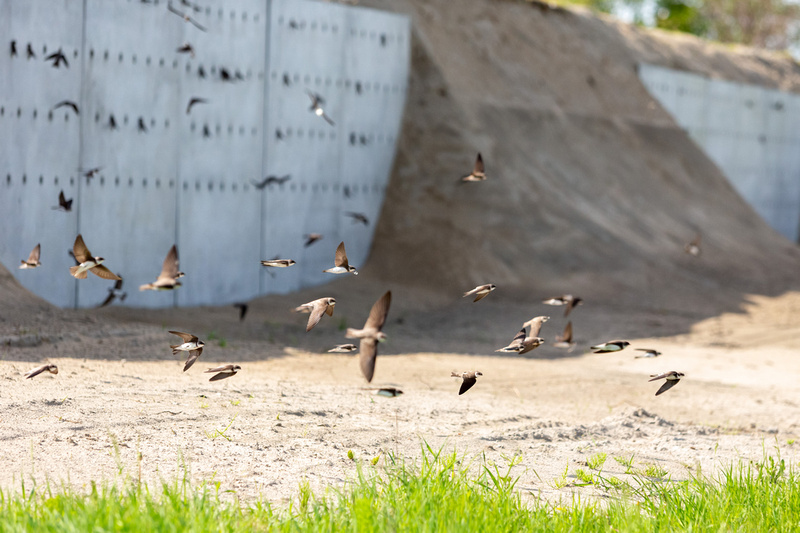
pixel 63 203
pixel 672 378
pixel 341 266
pixel 371 335
pixel 168 279
pixel 190 344
pixel 224 371
pixel 611 346
pixel 523 342
pixel 114 292
pixel 693 248
pixel 478 173
pixel 343 348
pixel 481 291
pixel 565 340
pixel 311 238
pixel 468 380
pixel 648 353
pixel 33 258
pixel 53 369
pixel 88 263
pixel 388 392
pixel 279 263
pixel 317 308
pixel 568 300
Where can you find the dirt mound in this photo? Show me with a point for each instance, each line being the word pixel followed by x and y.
pixel 592 188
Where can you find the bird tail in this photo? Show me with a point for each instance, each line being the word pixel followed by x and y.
pixel 79 275
pixel 455 375
pixel 148 286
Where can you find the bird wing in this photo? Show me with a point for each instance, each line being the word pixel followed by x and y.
pixel 368 352
pixel 481 296
pixel 341 256
pixel 518 339
pixel 103 272
pixel 187 337
pixel 79 249
pixel 223 368
pixel 659 376
pixel 316 314
pixel 108 300
pixel 36 371
pixel 467 384
pixel 169 270
pixel 478 169
pixel 222 375
pixel 377 315
pixel 554 301
pixel 193 355
pixel 666 386
pixel 535 324
pixel 34 257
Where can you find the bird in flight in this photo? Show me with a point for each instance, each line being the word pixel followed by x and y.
pixel 481 291
pixel 186 48
pixel 316 107
pixel 478 173
pixel 194 101
pixel 693 248
pixel 114 292
pixel 672 379
pixel 611 346
pixel 524 343
pixel 341 266
pixel 311 238
pixel 317 308
pixel 168 279
pixel 648 353
pixel 67 103
pixel 269 180
pixel 57 58
pixel 371 335
pixel 63 203
pixel 92 172
pixel 568 300
pixel 53 369
pixel 222 372
pixel 468 380
pixel 88 263
pixel 358 217
pixel 343 348
pixel 33 258
pixel 565 340
pixel 279 263
pixel 242 309
pixel 190 344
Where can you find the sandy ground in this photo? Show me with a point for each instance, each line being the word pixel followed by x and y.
pixel 293 413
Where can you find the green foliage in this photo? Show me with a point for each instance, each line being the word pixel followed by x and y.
pixel 682 16
pixel 596 461
pixel 441 492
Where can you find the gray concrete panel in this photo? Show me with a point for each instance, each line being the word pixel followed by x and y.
pixel 39 144
pixel 751 133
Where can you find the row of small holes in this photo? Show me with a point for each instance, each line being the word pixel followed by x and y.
pixel 289 79
pixel 24 180
pixel 777 105
pixel 206 130
pixel 207 11
pixel 23 50
pixel 235 74
pixel 299 24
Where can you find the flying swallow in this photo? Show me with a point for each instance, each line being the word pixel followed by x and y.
pixel 568 300
pixel 565 340
pixel 186 17
pixel 371 335
pixel 340 262
pixel 311 238
pixel 469 379
pixel 193 101
pixel 280 263
pixel 33 258
pixel 29 50
pixel 317 308
pixel 358 217
pixel 57 58
pixel 92 172
pixel 114 292
pixel 242 309
pixel 269 180
pixel 536 324
pixel 63 203
pixel 477 173
pixel 53 369
pixel 672 379
pixel 343 348
pixel 316 107
pixel 611 346
pixel 648 352
pixel 524 343
pixel 190 344
pixel 693 248
pixel 67 103
pixel 13 48
pixel 388 392
pixel 481 291
pixel 186 49
pixel 168 279
pixel 88 263
pixel 224 371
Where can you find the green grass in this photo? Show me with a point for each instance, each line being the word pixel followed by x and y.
pixel 443 492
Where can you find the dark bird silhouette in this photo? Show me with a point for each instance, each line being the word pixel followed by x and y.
pixel 269 180
pixel 224 74
pixel 186 17
pixel 311 238
pixel 358 217
pixel 92 172
pixel 113 293
pixel 193 101
pixel 30 51
pixel 242 309
pixel 63 203
pixel 186 49
pixel 67 103
pixel 57 58
pixel 468 380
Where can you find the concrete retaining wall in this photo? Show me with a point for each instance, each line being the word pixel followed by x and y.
pixel 751 133
pixel 171 177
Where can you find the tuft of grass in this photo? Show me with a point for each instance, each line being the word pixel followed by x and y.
pixel 596 461
pixel 627 462
pixel 440 492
